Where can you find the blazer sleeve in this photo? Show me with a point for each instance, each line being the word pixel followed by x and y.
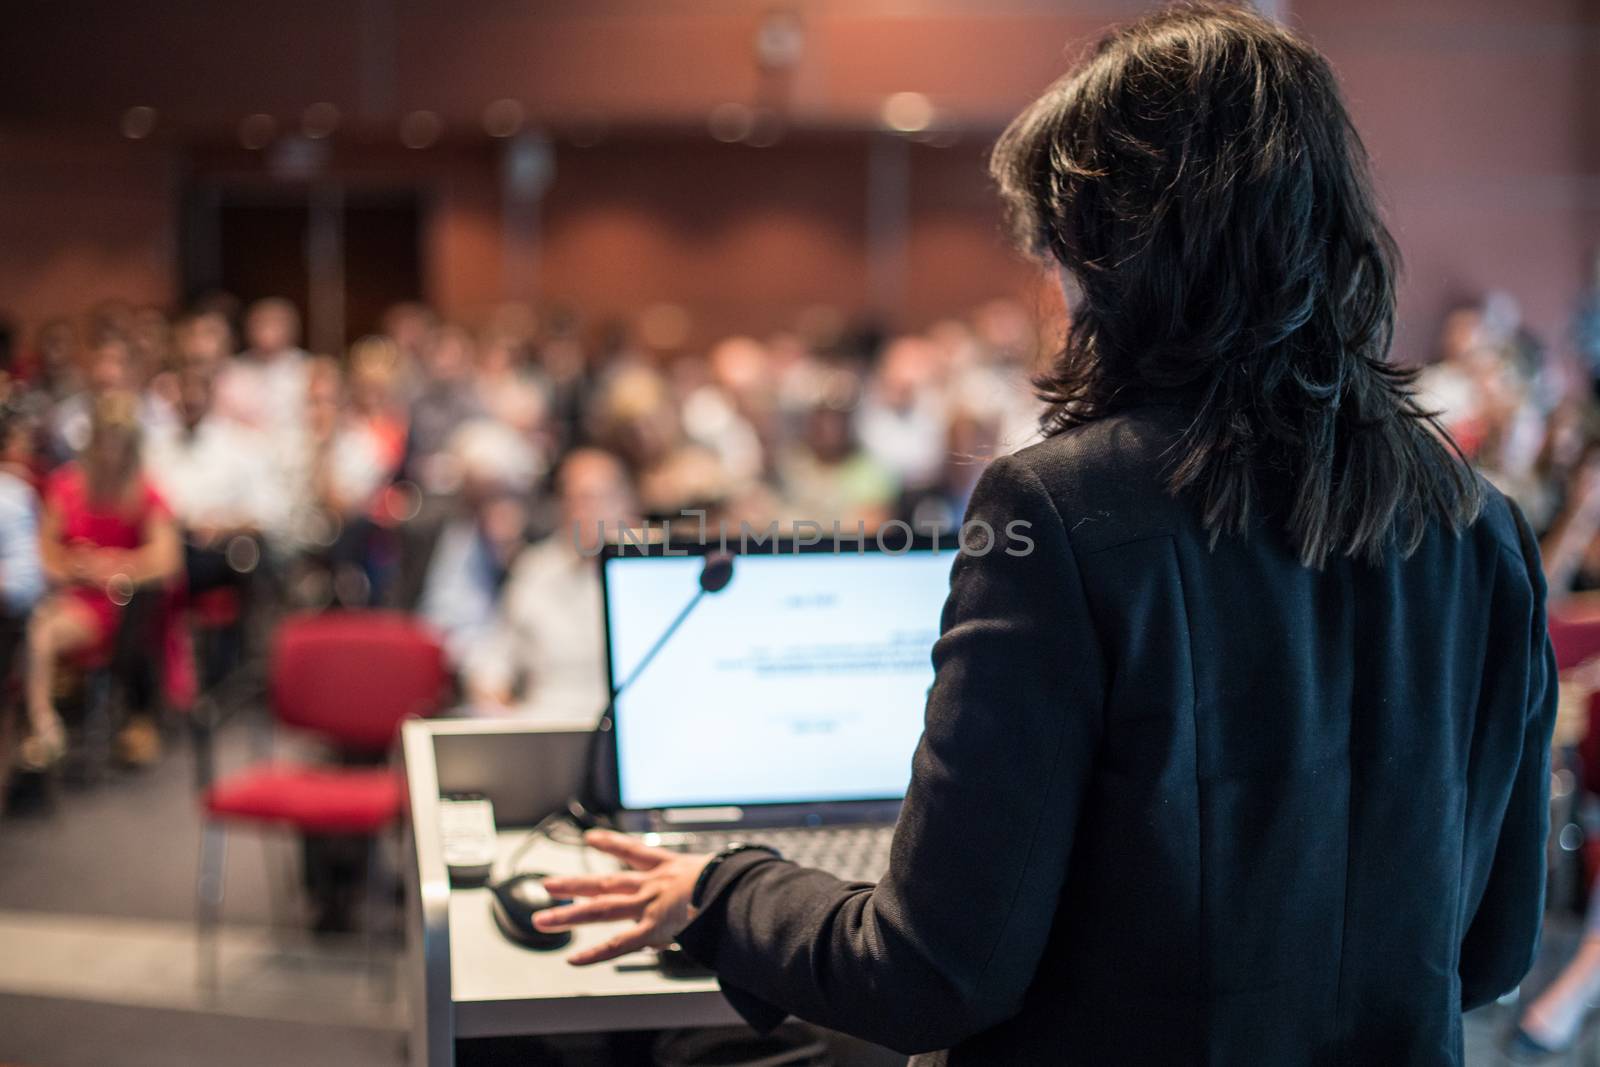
pixel 946 945
pixel 1500 942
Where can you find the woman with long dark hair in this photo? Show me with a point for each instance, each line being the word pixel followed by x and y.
pixel 1246 761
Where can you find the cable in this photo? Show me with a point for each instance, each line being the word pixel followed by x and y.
pixel 547 828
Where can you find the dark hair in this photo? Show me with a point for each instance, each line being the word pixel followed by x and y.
pixel 1199 179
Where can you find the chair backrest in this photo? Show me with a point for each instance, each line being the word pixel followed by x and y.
pixel 1575 639
pixel 354 676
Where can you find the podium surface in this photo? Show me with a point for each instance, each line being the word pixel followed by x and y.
pixel 464 978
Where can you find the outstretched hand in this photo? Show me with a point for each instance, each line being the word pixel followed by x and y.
pixel 654 892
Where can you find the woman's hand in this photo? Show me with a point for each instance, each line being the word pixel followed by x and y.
pixel 654 893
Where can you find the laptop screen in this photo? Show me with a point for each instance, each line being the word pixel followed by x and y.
pixel 804 681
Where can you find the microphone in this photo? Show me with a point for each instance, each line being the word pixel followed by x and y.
pixel 716 571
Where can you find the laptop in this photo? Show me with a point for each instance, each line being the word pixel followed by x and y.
pixel 787 707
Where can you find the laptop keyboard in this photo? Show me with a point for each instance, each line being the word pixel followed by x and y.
pixel 854 853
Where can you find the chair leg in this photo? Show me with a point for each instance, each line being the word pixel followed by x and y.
pixel 208 901
pixel 95 727
pixel 377 963
pixel 275 897
pixel 285 891
pixel 202 719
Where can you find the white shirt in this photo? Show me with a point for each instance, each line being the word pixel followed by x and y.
pixel 219 475
pixel 267 394
pixel 911 444
pixel 549 631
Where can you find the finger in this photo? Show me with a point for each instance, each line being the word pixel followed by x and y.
pixel 632 939
pixel 598 910
pixel 592 885
pixel 627 848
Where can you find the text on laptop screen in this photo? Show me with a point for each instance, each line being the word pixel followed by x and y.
pixel 803 681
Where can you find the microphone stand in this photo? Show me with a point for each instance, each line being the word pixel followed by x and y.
pixel 716 571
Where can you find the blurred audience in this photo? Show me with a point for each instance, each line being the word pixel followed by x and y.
pixel 471 475
pixel 414 470
pixel 543 651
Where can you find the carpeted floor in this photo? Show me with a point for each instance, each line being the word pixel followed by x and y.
pixel 128 846
pixel 51 1032
pixel 117 860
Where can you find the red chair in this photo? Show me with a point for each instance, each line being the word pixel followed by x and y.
pixel 350 678
pixel 1576 639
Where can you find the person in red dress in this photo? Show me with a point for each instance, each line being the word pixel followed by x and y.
pixel 104 533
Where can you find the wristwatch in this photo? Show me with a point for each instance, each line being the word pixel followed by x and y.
pixel 717 861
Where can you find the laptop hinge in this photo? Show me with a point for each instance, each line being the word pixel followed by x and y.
pixel 682 816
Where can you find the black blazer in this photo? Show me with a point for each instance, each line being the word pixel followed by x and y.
pixel 1185 805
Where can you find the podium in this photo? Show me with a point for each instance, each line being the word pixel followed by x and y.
pixel 463 978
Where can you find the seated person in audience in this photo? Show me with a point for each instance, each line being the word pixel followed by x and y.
pixel 201 341
pixel 210 471
pixel 722 414
pixel 372 409
pixel 21 574
pixel 635 415
pixel 545 652
pixel 990 377
pixel 411 328
pixel 109 367
pixel 509 389
pixel 265 386
pixel 317 477
pixel 153 345
pixel 472 548
pixel 104 533
pixel 448 400
pixel 903 418
pixel 52 369
pixel 827 476
pixel 358 437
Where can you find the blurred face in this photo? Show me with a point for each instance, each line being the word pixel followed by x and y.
pixel 58 352
pixel 322 402
pixel 110 366
pixel 1463 334
pixel 739 365
pixel 450 357
pixel 369 392
pixel 56 342
pixel 16 445
pixel 594 489
pixel 909 365
pixel 828 434
pixel 500 355
pixel 272 327
pixel 152 338
pixel 408 326
pixel 208 336
pixel 202 345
